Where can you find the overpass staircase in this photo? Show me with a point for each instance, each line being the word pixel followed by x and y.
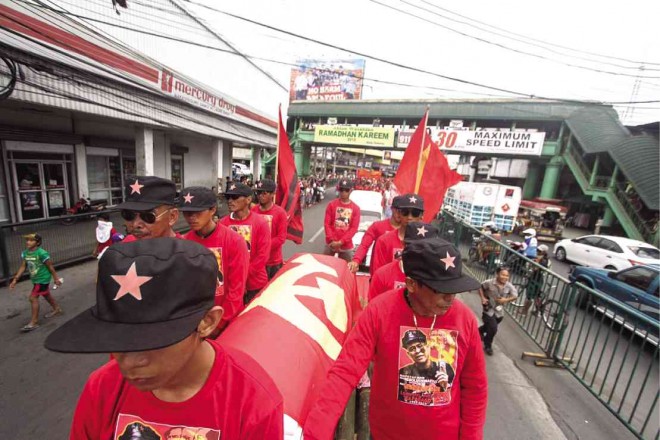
pixel 603 187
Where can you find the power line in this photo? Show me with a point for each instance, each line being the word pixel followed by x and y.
pixel 317 42
pixel 539 41
pixel 502 46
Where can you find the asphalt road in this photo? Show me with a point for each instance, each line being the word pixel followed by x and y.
pixel 39 389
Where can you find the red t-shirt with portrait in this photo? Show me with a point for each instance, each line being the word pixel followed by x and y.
pixel 386 249
pixel 256 233
pixel 278 222
pixel 233 259
pixel 386 278
pixel 341 223
pixel 238 401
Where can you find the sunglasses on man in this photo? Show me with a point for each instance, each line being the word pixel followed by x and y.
pixel 415 212
pixel 148 217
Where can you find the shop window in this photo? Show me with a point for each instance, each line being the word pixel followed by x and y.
pixel 177 171
pixel 104 179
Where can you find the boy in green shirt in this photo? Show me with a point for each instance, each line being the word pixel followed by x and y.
pixel 40 268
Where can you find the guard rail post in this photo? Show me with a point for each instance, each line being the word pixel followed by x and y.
pixel 4 256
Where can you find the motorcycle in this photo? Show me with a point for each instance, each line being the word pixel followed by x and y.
pixel 82 206
pixel 489 256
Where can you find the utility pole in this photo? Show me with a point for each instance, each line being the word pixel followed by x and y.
pixel 630 110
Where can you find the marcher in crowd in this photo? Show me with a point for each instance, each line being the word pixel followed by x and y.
pixel 494 293
pixel 254 230
pixel 150 208
pixel 106 234
pixel 374 231
pixel 40 268
pixel 342 219
pixel 409 403
pixel 198 205
pixel 410 208
pixel 277 220
pixel 165 373
pixel 391 276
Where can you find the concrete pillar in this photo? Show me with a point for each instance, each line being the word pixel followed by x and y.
pixel 594 171
pixel 307 153
pixel 144 151
pixel 81 167
pixel 298 157
pixel 216 162
pixel 608 216
pixel 614 176
pixel 531 181
pixel 551 178
pixel 256 163
pixel 167 143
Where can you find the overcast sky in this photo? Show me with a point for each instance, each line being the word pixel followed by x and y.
pixel 483 44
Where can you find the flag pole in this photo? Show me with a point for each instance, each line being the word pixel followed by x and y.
pixel 418 179
pixel 277 146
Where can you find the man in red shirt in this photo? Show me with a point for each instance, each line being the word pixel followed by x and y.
pixel 389 245
pixel 391 275
pixel 342 219
pixel 375 230
pixel 198 205
pixel 429 380
pixel 150 208
pixel 166 376
pixel 254 230
pixel 277 220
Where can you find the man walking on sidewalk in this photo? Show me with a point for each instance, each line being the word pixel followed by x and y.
pixel 494 293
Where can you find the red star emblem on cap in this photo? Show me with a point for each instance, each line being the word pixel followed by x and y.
pixel 343 182
pixel 136 187
pixel 412 199
pixel 188 198
pixel 130 283
pixel 449 261
pixel 422 231
pixel 260 184
pixel 233 187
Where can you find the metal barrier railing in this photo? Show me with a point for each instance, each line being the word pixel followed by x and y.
pixel 66 240
pixel 609 347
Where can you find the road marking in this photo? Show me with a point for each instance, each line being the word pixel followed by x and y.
pixel 316 235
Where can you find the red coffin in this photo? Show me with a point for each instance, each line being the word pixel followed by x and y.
pixel 297 325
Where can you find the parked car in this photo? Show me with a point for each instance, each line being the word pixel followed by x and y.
pixel 637 286
pixel 606 251
pixel 371 210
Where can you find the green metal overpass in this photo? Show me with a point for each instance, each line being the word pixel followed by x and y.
pixel 605 158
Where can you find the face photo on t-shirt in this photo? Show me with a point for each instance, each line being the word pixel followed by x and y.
pixel 217 251
pixel 426 366
pixel 130 427
pixel 343 218
pixel 244 231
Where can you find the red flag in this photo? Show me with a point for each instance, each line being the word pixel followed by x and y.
pixel 436 178
pixel 288 188
pixel 425 171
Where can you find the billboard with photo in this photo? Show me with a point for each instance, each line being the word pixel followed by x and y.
pixel 321 80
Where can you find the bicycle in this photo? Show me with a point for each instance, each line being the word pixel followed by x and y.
pixel 550 310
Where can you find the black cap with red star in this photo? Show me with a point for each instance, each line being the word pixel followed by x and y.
pixel 436 263
pixel 420 231
pixel 150 294
pixel 197 198
pixel 238 189
pixel 345 184
pixel 144 193
pixel 265 185
pixel 410 201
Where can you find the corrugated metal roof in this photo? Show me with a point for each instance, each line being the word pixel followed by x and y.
pixel 597 128
pixel 639 159
pixel 531 109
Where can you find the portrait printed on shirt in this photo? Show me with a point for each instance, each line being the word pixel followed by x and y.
pixel 399 285
pixel 130 427
pixel 244 231
pixel 343 218
pixel 217 251
pixel 427 361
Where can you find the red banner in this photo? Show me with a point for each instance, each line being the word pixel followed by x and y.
pixel 297 325
pixel 288 188
pixel 368 174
